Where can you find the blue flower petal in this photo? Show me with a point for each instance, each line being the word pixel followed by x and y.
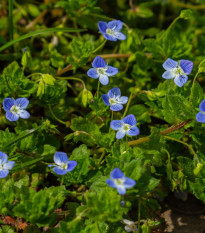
pixel 115 91
pixel 120 36
pixel 111 71
pixel 120 134
pixel 60 157
pixel 130 120
pixel 170 64
pixel 102 26
pixel 106 99
pixel 4 173
pixel 23 102
pixel 115 25
pixel 109 37
pixel 186 65
pixel 181 80
pixel 168 74
pixel 134 131
pixel 99 62
pixel 93 73
pixel 71 165
pixel 116 174
pixel 116 124
pixel 104 80
pixel 3 157
pixel 52 165
pixel 8 103
pixel 121 190
pixel 111 183
pixel 9 165
pixel 11 116
pixel 24 114
pixel 59 171
pixel 116 107
pixel 202 106
pixel 129 183
pixel 200 117
pixel 123 99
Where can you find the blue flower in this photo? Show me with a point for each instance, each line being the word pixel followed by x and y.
pixel 16 108
pixel 111 30
pixel 119 181
pixel 101 70
pixel 177 71
pixel 63 164
pixel 125 126
pixel 114 99
pixel 5 165
pixel 200 117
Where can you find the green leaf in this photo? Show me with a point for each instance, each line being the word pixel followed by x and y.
pixel 202 66
pixel 82 156
pixel 103 205
pixel 86 97
pixel 38 207
pixel 186 14
pixel 196 95
pixel 144 12
pixel 39 32
pixel 48 79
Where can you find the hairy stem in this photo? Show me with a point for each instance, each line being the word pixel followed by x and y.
pixel 55 117
pixel 184 143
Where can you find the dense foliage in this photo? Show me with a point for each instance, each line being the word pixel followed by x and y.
pixel 60 72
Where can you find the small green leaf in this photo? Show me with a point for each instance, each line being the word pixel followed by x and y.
pixel 186 14
pixel 48 79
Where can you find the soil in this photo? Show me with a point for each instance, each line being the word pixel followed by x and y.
pixel 184 216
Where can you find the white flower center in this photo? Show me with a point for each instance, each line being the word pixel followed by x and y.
pixel 16 109
pixel 119 182
pixel 178 71
pixel 114 100
pixel 126 127
pixel 64 166
pixel 101 70
pixel 1 166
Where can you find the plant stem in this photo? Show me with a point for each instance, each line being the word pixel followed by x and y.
pixel 30 75
pixel 62 180
pixel 55 117
pixel 164 132
pixel 97 226
pixel 194 7
pixel 184 143
pixel 11 19
pixel 72 78
pixel 99 47
pixel 139 214
pixel 195 76
pixel 98 88
pixel 128 104
pixel 115 55
pixel 17 224
pixel 111 120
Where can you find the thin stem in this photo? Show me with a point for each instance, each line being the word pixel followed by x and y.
pixel 128 104
pixel 115 55
pixel 17 224
pixel 11 19
pixel 72 78
pixel 184 143
pixel 139 214
pixel 30 75
pixel 55 117
pixel 170 26
pixel 97 226
pixel 196 76
pixel 164 132
pixel 194 7
pixel 111 120
pixel 62 180
pixel 99 47
pixel 98 88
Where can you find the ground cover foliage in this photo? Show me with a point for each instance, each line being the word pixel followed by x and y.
pixel 45 56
